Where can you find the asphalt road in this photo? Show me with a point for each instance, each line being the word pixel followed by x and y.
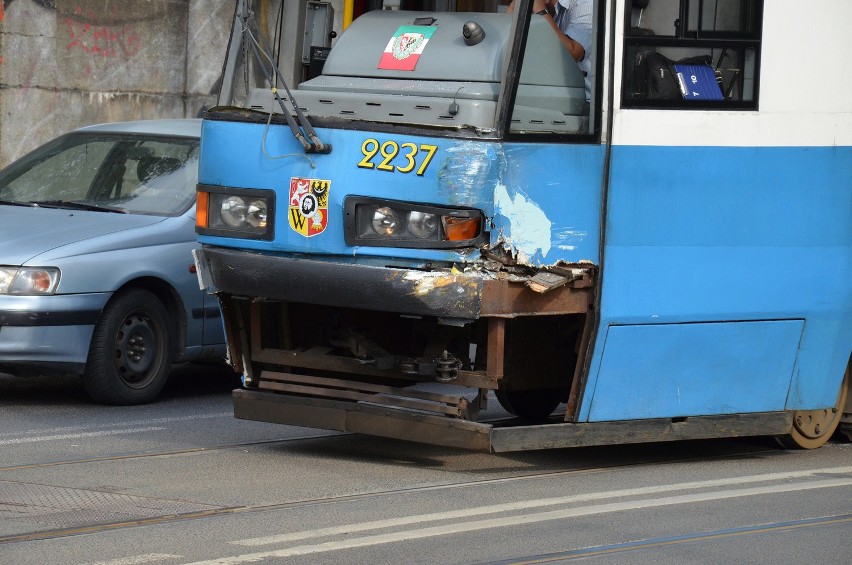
pixel 182 481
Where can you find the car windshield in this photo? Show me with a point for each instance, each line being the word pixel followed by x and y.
pixel 131 173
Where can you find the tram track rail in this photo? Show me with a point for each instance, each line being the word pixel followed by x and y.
pixel 53 533
pixel 165 453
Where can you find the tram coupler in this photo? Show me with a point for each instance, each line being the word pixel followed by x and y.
pixel 444 369
pixel 447 368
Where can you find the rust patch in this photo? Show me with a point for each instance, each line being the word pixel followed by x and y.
pixel 427 283
pixel 450 291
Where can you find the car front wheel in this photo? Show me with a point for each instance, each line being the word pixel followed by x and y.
pixel 130 356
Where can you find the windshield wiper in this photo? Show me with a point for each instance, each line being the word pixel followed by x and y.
pixel 16 203
pixel 252 37
pixel 73 205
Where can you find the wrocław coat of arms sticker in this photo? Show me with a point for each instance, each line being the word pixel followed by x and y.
pixel 308 213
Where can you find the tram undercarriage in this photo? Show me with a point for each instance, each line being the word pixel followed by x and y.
pixel 357 370
pixel 530 360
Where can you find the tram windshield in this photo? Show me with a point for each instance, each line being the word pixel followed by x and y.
pixel 447 72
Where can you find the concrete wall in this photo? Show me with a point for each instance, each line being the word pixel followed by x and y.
pixel 68 63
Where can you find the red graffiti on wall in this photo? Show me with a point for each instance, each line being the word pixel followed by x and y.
pixel 102 40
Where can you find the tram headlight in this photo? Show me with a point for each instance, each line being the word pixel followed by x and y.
pixel 385 221
pixel 256 213
pixel 422 224
pixel 233 212
pixel 388 223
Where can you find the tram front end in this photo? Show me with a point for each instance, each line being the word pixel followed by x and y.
pixel 364 257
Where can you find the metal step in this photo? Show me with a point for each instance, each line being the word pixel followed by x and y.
pixel 352 406
pixel 439 419
pixel 380 395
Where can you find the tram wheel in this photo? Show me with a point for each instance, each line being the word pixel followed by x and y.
pixel 536 404
pixel 812 428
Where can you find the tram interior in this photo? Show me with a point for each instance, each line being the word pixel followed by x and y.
pixel 551 95
pixel 455 83
pixel 721 37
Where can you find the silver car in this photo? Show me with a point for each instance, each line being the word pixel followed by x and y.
pixel 96 270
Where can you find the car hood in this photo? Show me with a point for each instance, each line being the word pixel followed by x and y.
pixel 27 232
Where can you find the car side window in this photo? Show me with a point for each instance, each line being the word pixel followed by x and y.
pixel 688 54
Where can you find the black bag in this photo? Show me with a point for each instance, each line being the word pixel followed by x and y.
pixel 662 78
pixel 636 76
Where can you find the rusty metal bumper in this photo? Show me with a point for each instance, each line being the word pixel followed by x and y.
pixel 341 284
pixel 348 284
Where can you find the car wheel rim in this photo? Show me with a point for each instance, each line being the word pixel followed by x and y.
pixel 137 350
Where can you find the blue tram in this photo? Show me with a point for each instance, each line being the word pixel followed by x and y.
pixel 656 248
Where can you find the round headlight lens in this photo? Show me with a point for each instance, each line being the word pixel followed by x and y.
pixel 423 225
pixel 385 221
pixel 233 211
pixel 256 214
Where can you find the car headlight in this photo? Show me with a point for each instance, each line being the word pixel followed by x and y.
pixel 234 212
pixel 28 280
pixel 387 223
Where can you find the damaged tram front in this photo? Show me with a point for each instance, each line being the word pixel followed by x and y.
pixel 429 209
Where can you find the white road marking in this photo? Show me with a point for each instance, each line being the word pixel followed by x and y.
pixel 469 526
pixel 146 422
pixel 20 440
pixel 530 504
pixel 137 559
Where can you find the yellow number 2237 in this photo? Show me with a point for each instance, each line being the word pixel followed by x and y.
pixel 390 156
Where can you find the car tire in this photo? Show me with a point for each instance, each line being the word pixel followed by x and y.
pixel 130 354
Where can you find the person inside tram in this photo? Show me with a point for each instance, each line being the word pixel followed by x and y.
pixel 571 20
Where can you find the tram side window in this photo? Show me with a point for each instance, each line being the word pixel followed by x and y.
pixel 691 54
pixel 556 92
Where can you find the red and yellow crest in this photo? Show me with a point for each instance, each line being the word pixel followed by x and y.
pixel 308 211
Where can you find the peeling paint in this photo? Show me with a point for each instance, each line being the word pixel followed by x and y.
pixel 529 227
pixel 428 282
pixel 453 292
pixel 568 238
pixel 137 98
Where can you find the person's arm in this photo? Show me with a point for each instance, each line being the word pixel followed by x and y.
pixel 577 51
pixel 574 48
